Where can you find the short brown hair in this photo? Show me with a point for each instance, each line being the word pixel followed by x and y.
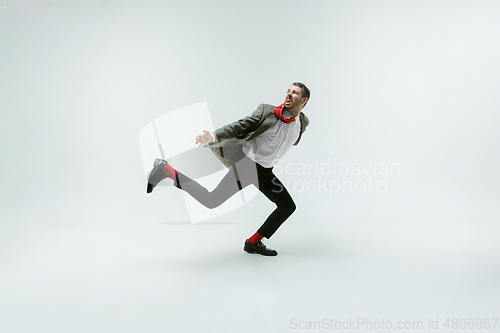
pixel 305 90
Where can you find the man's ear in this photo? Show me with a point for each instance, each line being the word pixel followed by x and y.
pixel 304 101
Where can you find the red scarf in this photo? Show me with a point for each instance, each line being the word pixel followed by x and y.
pixel 278 111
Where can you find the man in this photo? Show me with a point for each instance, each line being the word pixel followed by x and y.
pixel 249 146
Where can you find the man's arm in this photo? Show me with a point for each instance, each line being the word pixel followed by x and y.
pixel 241 126
pixel 234 129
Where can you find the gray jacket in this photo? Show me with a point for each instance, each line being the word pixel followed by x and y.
pixel 231 137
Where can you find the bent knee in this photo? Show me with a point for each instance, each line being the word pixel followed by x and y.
pixel 289 207
pixel 214 203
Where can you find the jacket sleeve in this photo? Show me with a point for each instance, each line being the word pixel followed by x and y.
pixel 240 127
pixel 304 121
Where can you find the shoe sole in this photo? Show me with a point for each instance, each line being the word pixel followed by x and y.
pixel 255 252
pixel 150 186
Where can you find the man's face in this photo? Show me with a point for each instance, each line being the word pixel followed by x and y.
pixel 293 99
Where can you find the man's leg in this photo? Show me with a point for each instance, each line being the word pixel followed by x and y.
pixel 240 175
pixel 275 191
pixel 226 188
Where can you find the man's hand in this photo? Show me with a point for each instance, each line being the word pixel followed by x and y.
pixel 204 138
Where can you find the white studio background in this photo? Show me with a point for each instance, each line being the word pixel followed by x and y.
pixel 413 84
pixel 392 82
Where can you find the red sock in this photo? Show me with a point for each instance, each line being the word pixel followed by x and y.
pixel 169 171
pixel 255 238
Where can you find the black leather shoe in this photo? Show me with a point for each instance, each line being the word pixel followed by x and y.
pixel 259 248
pixel 156 175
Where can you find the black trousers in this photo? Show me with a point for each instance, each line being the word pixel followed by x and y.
pixel 242 173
